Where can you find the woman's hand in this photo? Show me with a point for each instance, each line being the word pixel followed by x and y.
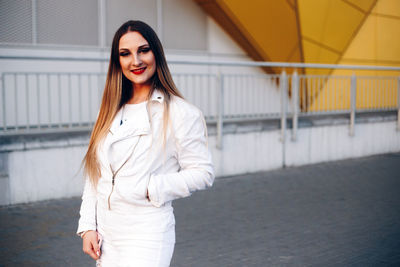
pixel 91 245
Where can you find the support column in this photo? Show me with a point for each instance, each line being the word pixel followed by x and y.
pixel 283 89
pixel 295 101
pixel 220 108
pixel 353 98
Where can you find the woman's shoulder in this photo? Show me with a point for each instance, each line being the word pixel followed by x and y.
pixel 182 108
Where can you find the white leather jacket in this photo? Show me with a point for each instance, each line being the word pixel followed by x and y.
pixel 167 171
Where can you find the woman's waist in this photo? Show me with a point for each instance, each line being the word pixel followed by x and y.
pixel 131 207
pixel 131 221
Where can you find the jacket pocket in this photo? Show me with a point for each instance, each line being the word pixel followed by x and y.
pixel 132 191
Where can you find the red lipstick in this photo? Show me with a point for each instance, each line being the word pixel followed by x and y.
pixel 138 71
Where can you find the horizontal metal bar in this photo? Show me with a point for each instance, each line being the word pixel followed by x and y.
pixel 39 131
pixel 283 65
pixel 193 74
pixel 223 63
pixel 54 73
pixel 56 58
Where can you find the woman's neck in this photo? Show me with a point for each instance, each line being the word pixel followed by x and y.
pixel 140 93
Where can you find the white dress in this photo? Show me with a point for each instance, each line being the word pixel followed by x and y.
pixel 134 236
pixel 138 232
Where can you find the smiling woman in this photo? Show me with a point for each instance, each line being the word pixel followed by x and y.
pixel 148 147
pixel 137 63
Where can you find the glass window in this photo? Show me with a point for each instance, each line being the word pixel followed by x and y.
pixel 67 22
pixel 16 21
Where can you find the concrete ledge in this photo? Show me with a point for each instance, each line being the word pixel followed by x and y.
pixel 42 141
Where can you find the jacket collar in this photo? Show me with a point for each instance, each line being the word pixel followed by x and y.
pixel 126 130
pixel 157 96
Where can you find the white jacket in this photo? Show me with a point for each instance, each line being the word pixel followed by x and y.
pixel 167 172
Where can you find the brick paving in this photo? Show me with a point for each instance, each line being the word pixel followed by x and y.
pixel 344 213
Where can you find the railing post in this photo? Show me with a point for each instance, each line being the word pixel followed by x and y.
pixel 220 119
pixel 295 101
pixel 16 100
pixel 283 89
pixel 3 104
pixel 398 103
pixel 353 98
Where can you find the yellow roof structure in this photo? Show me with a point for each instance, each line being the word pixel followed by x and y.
pixel 313 31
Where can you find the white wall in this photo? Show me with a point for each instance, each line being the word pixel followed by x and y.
pixel 45 174
pixel 50 170
pixel 328 143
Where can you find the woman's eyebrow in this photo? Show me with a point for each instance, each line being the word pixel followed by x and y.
pixel 142 46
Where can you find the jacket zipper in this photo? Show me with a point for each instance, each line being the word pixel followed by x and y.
pixel 114 174
pixel 112 189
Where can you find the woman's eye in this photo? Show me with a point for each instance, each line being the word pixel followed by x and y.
pixel 123 54
pixel 144 50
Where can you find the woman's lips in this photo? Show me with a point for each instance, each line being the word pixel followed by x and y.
pixel 138 71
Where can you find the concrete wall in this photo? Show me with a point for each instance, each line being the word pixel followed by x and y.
pixel 45 169
pixel 333 142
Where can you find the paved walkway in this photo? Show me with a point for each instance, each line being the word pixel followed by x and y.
pixel 344 213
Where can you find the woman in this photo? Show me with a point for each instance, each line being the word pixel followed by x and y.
pixel 148 147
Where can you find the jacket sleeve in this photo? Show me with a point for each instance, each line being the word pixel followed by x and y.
pixel 87 212
pixel 196 168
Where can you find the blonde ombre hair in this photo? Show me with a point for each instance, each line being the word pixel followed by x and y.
pixel 118 90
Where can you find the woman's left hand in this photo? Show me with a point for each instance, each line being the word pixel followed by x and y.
pixel 91 245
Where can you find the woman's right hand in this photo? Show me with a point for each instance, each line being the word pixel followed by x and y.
pixel 91 245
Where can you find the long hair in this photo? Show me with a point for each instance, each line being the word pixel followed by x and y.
pixel 118 90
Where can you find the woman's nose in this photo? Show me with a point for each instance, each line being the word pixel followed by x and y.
pixel 136 61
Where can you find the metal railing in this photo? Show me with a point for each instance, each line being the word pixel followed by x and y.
pixel 46 102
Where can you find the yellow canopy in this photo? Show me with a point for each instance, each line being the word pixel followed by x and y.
pixel 314 31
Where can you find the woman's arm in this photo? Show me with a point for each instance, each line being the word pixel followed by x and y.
pixel 87 212
pixel 193 156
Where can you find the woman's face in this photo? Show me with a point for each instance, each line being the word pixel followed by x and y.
pixel 136 58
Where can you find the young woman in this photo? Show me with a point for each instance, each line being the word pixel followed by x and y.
pixel 148 147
